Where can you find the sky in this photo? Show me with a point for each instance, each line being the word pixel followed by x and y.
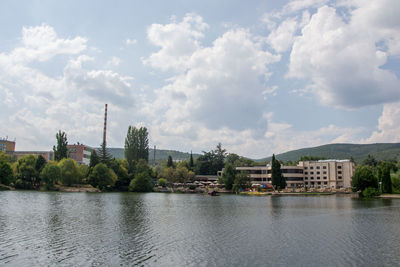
pixel 260 77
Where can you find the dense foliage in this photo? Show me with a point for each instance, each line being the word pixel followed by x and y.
pixel 228 176
pixel 50 174
pixel 363 178
pixel 102 177
pixel 69 172
pixel 6 173
pixel 141 183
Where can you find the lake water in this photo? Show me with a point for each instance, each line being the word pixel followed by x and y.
pixel 38 228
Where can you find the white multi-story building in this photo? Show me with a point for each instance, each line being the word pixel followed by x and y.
pixel 312 174
pixel 328 173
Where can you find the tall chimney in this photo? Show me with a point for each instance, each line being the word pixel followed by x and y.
pixel 105 127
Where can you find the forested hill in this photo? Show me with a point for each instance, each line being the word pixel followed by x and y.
pixel 161 154
pixel 381 151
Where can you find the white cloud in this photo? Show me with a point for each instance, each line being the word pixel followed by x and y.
pixel 388 125
pixel 42 43
pixel 341 60
pixel 131 41
pixel 114 62
pixel 178 41
pixel 39 104
pixel 281 38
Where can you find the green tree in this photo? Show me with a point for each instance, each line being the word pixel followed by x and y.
pixel 242 181
pixel 162 182
pixel 232 158
pixel 228 176
pixel 27 177
pixel 170 162
pixel 104 155
pixel 277 178
pixel 191 162
pixel 370 161
pixel 120 168
pixel 69 172
pixel 211 162
pixel 61 151
pixel 94 159
pixel 169 174
pixel 83 172
pixel 384 176
pixel 183 175
pixel 141 183
pixel 363 177
pixel 136 145
pixel 102 177
pixel 6 173
pixel 50 174
pixel 40 163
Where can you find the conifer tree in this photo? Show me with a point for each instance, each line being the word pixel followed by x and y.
pixel 191 162
pixel 277 179
pixel 170 162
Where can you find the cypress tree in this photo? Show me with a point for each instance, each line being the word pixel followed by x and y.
pixel 61 151
pixel 170 163
pixel 191 162
pixel 386 180
pixel 277 179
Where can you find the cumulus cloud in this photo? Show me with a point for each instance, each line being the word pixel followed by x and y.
pixel 388 125
pixel 342 60
pixel 40 104
pixel 177 42
pixel 221 86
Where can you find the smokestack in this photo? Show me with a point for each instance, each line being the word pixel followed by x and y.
pixel 105 127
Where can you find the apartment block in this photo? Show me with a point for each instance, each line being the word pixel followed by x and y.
pixel 81 153
pixel 6 145
pixel 262 175
pixel 311 174
pixel 328 173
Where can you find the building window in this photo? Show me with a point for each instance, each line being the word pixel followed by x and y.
pixel 324 167
pixel 306 178
pixel 318 178
pixel 339 172
pixel 325 178
pixel 318 167
pixel 311 172
pixel 319 182
pixel 339 167
pixel 340 177
pixel 264 171
pixel 305 168
pixel 305 172
pixel 311 167
pixel 306 183
pixel 312 178
pixel 325 182
pixel 318 173
pixel 324 172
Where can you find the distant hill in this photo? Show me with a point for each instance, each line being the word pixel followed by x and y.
pixel 161 154
pixel 381 151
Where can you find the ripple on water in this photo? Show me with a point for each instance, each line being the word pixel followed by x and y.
pixel 39 228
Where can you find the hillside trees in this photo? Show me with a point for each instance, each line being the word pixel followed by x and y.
pixel 61 150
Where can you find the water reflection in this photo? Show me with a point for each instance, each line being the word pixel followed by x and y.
pixel 176 229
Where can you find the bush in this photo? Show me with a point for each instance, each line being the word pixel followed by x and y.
pixel 6 173
pixel 162 182
pixel 369 192
pixel 141 183
pixel 363 178
pixel 50 174
pixel 396 183
pixel 102 177
pixel 69 172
